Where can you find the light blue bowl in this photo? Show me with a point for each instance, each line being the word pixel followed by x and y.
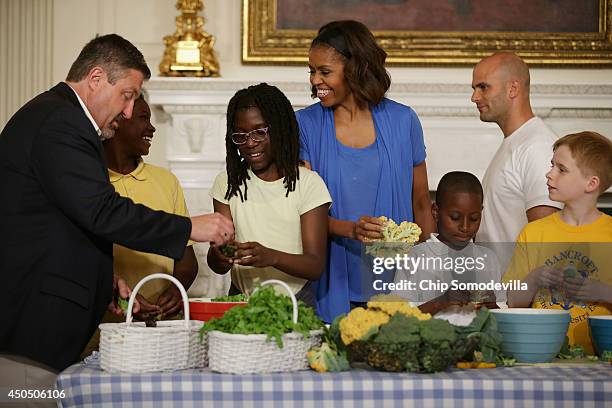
pixel 532 335
pixel 601 332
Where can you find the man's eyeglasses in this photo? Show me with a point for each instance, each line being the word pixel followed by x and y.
pixel 256 135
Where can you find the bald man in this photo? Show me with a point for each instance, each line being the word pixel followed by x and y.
pixel 514 184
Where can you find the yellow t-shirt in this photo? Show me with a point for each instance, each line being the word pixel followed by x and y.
pixel 271 218
pixel 585 249
pixel 158 189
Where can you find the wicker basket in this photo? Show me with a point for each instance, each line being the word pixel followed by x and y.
pixel 254 353
pixel 172 345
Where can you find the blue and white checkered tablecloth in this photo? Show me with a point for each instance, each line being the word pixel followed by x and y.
pixel 86 385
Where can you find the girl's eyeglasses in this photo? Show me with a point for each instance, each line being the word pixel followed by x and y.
pixel 256 135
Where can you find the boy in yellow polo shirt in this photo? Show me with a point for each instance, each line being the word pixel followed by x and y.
pixel 566 259
pixel 159 189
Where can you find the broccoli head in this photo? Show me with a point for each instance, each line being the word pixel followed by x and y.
pixel 420 346
pixel 396 344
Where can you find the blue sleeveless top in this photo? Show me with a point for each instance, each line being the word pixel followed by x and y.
pixel 359 177
pixel 399 146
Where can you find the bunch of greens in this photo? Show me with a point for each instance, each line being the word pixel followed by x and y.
pixel 606 355
pixel 266 313
pixel 568 352
pixel 229 250
pixel 505 361
pixel 123 304
pixel 570 271
pixel 331 355
pixel 576 351
pixel 484 329
pixel 326 358
pixel 231 298
pixel 151 321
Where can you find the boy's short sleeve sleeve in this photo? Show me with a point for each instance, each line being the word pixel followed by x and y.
pixel 518 268
pixel 180 206
pixel 313 193
pixel 217 192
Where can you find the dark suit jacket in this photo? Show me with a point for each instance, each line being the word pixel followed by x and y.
pixel 59 217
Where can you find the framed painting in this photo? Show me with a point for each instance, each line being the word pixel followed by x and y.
pixel 437 32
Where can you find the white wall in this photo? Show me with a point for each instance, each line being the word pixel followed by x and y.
pixel 26 29
pixel 145 22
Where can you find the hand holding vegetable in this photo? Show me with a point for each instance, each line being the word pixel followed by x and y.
pixel 586 289
pixel 394 238
pixel 368 228
pixel 548 277
pixel 482 297
pixel 120 290
pixel 170 302
pixel 255 254
pixel 146 312
pixel 220 258
pixel 147 309
pixel 459 297
pixel 229 250
pixel 214 228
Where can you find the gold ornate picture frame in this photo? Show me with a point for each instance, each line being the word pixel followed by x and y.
pixel 266 41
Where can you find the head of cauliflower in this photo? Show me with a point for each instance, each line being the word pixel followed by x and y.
pixel 408 232
pixel 395 238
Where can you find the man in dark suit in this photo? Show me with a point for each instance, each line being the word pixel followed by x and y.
pixel 59 215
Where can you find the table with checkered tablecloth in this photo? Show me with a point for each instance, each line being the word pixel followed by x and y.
pixel 569 385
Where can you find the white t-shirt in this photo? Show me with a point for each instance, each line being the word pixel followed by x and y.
pixel 515 181
pixel 434 249
pixel 273 220
pixel 486 268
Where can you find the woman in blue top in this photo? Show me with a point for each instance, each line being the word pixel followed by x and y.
pixel 368 149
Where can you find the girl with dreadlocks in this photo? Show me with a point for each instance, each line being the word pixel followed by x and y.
pixel 279 209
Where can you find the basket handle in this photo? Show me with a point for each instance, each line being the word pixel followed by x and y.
pixel 288 289
pixel 179 285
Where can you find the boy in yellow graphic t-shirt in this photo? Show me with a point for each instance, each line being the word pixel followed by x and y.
pixel 566 259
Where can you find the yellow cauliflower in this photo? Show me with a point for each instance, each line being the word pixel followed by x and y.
pixel 396 239
pixel 386 297
pixel 361 323
pixel 408 232
pixel 392 307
